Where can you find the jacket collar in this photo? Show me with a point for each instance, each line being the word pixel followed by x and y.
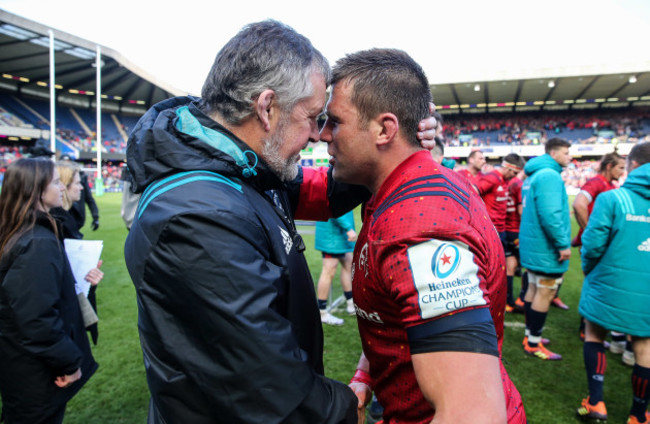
pixel 244 162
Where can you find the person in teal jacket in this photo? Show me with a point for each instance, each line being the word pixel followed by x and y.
pixel 544 239
pixel 335 239
pixel 616 290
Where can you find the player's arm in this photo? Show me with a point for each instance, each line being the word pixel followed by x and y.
pixel 581 209
pixel 462 387
pixel 315 195
pixel 597 233
pixel 453 345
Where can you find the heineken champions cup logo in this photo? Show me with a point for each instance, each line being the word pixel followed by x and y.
pixel 445 260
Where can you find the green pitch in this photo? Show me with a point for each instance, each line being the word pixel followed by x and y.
pixel 118 392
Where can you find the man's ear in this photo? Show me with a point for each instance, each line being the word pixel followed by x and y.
pixel 263 108
pixel 388 128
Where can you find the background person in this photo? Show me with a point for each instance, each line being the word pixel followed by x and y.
pixel 513 220
pixel 615 294
pixel 611 168
pixel 493 188
pixel 544 239
pixel 335 239
pixel 69 175
pixel 475 163
pixel 45 356
pixel 78 208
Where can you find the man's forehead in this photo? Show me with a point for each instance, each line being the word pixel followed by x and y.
pixel 339 96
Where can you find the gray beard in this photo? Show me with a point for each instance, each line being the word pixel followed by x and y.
pixel 285 169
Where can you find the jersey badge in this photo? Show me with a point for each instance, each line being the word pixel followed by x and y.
pixel 445 277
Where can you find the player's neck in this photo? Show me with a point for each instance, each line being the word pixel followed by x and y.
pixel 390 159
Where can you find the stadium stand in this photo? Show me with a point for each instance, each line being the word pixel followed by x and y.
pixel 579 127
pixel 613 112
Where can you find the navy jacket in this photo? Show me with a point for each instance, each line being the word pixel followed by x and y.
pixel 228 319
pixel 42 334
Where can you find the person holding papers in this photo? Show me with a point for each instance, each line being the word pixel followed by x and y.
pixel 71 179
pixel 45 356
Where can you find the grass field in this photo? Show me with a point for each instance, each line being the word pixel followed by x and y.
pixel 118 391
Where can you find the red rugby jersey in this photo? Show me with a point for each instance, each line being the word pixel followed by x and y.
pixel 427 250
pixel 468 175
pixel 513 218
pixel 494 191
pixel 591 189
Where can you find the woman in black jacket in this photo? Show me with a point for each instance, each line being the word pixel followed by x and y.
pixel 70 176
pixel 45 356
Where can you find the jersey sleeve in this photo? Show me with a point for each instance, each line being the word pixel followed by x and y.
pixel 592 188
pixel 431 279
pixel 437 288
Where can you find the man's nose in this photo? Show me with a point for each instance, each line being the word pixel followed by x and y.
pixel 326 133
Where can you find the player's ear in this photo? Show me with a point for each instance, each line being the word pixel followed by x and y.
pixel 388 126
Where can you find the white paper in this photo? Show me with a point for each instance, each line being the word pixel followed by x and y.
pixel 83 256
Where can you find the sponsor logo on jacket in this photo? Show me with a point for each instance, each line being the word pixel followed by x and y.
pixel 645 246
pixel 286 239
pixel 637 218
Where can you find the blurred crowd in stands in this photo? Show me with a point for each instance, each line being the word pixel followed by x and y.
pixel 584 127
pixel 84 142
pixel 608 126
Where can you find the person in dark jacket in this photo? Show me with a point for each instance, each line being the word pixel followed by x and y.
pixel 70 176
pixel 45 356
pixel 228 320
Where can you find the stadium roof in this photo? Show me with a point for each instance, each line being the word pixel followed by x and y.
pixel 24 66
pixel 585 88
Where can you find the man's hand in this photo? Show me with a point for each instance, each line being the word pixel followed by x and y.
pixel 564 255
pixel 360 385
pixel 427 130
pixel 364 395
pixel 64 381
pixel 352 235
pixel 95 224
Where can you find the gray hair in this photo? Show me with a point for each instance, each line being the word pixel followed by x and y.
pixel 263 55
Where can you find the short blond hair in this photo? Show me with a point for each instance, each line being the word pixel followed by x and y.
pixel 67 171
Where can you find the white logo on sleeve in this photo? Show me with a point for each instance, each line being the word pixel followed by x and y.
pixel 445 277
pixel 286 239
pixel 645 246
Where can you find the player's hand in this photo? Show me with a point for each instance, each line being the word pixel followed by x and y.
pixel 95 224
pixel 427 130
pixel 352 235
pixel 364 396
pixel 564 255
pixel 95 275
pixel 65 380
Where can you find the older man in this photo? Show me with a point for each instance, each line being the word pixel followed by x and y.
pixel 428 270
pixel 228 320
